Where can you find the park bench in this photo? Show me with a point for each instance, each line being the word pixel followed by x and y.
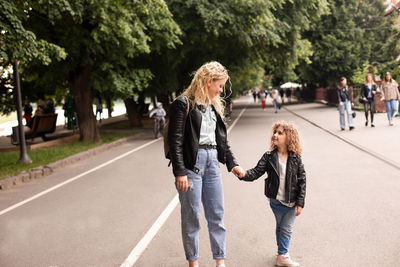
pixel 42 124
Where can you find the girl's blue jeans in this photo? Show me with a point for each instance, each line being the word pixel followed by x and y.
pixel 285 218
pixel 206 189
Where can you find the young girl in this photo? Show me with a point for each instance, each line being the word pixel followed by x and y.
pixel 285 186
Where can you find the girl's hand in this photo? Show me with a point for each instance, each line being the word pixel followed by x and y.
pixel 182 183
pixel 238 172
pixel 298 210
pixel 365 99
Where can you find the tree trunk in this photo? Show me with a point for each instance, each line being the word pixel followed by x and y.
pixel 109 106
pixel 141 104
pixel 132 111
pixel 80 85
pixel 153 100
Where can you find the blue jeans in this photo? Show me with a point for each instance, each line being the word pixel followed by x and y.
pixel 275 105
pixel 346 106
pixel 285 218
pixel 206 189
pixel 391 108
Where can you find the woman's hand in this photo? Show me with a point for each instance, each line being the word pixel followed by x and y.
pixel 182 183
pixel 365 99
pixel 238 171
pixel 298 210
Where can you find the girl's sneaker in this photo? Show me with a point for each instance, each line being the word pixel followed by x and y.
pixel 286 261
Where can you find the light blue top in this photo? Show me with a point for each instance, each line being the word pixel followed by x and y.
pixel 369 90
pixel 208 125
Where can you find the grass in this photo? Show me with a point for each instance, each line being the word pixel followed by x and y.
pixel 40 157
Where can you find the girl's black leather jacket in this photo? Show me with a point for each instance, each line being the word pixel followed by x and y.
pixel 295 188
pixel 184 144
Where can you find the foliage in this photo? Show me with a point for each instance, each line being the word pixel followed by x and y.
pixel 245 36
pixel 343 40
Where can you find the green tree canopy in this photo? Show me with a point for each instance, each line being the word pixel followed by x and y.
pixel 354 32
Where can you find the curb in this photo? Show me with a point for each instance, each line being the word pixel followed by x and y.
pixel 42 171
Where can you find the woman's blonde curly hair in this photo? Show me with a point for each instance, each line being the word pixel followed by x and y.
pixel 292 135
pixel 198 89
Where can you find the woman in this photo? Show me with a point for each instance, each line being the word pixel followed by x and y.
pixel 390 95
pixel 263 97
pixel 368 91
pixel 344 104
pixel 197 140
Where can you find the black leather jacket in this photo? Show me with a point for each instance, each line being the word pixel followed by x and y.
pixel 343 94
pixel 295 188
pixel 364 91
pixel 184 144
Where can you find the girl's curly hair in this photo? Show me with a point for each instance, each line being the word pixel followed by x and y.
pixel 292 135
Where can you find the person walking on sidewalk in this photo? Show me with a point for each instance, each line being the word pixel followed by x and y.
pixel 345 104
pixel 197 139
pixel 368 91
pixel 275 96
pixel 285 186
pixel 390 95
pixel 263 97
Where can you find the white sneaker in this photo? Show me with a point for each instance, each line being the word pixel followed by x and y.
pixel 286 261
pixel 391 123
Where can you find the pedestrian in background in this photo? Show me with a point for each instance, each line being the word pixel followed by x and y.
pixel 285 186
pixel 49 107
pixel 345 104
pixel 27 111
pixel 282 94
pixel 368 91
pixel 263 99
pixel 288 93
pixel 197 139
pixel 390 95
pixel 275 96
pixel 254 95
pixel 99 106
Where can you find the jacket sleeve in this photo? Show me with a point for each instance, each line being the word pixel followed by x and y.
pixel 257 171
pixel 363 93
pixel 301 184
pixel 230 159
pixel 338 95
pixel 176 136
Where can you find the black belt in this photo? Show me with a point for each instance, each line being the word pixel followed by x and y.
pixel 208 146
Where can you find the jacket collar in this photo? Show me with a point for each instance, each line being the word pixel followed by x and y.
pixel 273 159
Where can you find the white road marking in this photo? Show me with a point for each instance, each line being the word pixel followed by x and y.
pixel 145 241
pixel 2 212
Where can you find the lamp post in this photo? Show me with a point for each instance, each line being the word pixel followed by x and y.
pixel 23 157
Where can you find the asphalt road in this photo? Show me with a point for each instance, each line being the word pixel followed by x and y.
pixel 351 217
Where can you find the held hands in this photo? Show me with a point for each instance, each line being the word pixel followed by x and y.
pixel 238 172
